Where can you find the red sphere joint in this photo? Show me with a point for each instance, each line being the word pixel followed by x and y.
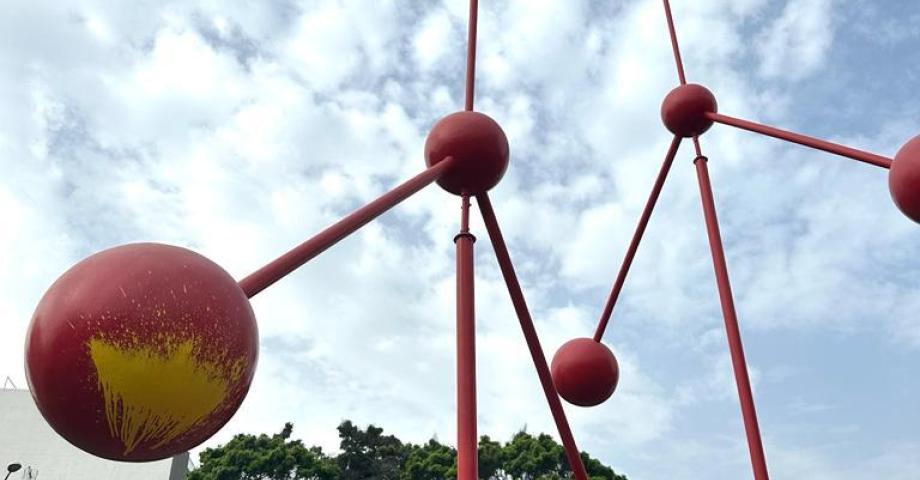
pixel 904 179
pixel 684 110
pixel 585 372
pixel 479 147
pixel 141 352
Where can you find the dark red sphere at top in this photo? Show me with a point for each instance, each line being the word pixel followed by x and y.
pixel 479 146
pixel 585 372
pixel 141 352
pixel 904 179
pixel 684 110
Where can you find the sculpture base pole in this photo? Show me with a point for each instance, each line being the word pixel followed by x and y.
pixel 467 441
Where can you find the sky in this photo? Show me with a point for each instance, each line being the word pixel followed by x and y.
pixel 239 129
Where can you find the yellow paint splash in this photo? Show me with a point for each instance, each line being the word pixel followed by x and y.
pixel 152 397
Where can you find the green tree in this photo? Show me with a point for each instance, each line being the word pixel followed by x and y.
pixel 248 457
pixel 432 461
pixel 491 458
pixel 597 470
pixel 530 458
pixel 369 454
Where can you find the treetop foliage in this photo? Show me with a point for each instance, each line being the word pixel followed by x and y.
pixel 368 454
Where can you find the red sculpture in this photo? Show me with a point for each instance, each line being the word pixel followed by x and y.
pixel 684 110
pixel 143 351
pixel 904 179
pixel 479 146
pixel 140 351
pixel 585 372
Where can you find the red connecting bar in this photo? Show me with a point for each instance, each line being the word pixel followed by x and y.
pixel 303 253
pixel 800 139
pixel 530 335
pixel 739 365
pixel 637 238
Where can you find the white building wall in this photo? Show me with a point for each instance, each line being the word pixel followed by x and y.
pixel 26 438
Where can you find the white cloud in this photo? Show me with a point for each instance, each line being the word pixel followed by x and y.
pixel 892 460
pixel 433 40
pixel 796 44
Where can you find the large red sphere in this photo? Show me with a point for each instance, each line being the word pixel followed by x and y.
pixel 904 179
pixel 479 147
pixel 585 372
pixel 141 352
pixel 684 110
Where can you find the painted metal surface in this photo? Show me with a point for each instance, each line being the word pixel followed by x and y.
pixel 479 147
pixel 27 439
pixel 141 352
pixel 800 139
pixel 675 46
pixel 636 239
pixel 530 335
pixel 303 253
pixel 471 55
pixel 684 110
pixel 904 179
pixel 145 350
pixel 585 372
pixel 467 439
pixel 733 332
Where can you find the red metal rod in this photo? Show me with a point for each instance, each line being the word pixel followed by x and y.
pixel 471 54
pixel 674 46
pixel 739 365
pixel 637 238
pixel 290 261
pixel 530 335
pixel 805 140
pixel 467 442
pixel 697 147
pixel 465 213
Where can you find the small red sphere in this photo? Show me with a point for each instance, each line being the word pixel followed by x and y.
pixel 684 110
pixel 141 352
pixel 585 372
pixel 904 179
pixel 479 146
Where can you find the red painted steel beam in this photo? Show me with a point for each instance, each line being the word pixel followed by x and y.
pixel 636 239
pixel 739 365
pixel 674 45
pixel 467 441
pixel 530 335
pixel 290 261
pixel 697 147
pixel 800 139
pixel 471 54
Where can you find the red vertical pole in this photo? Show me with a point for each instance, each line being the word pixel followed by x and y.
pixel 674 46
pixel 739 365
pixel 471 54
pixel 530 335
pixel 467 442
